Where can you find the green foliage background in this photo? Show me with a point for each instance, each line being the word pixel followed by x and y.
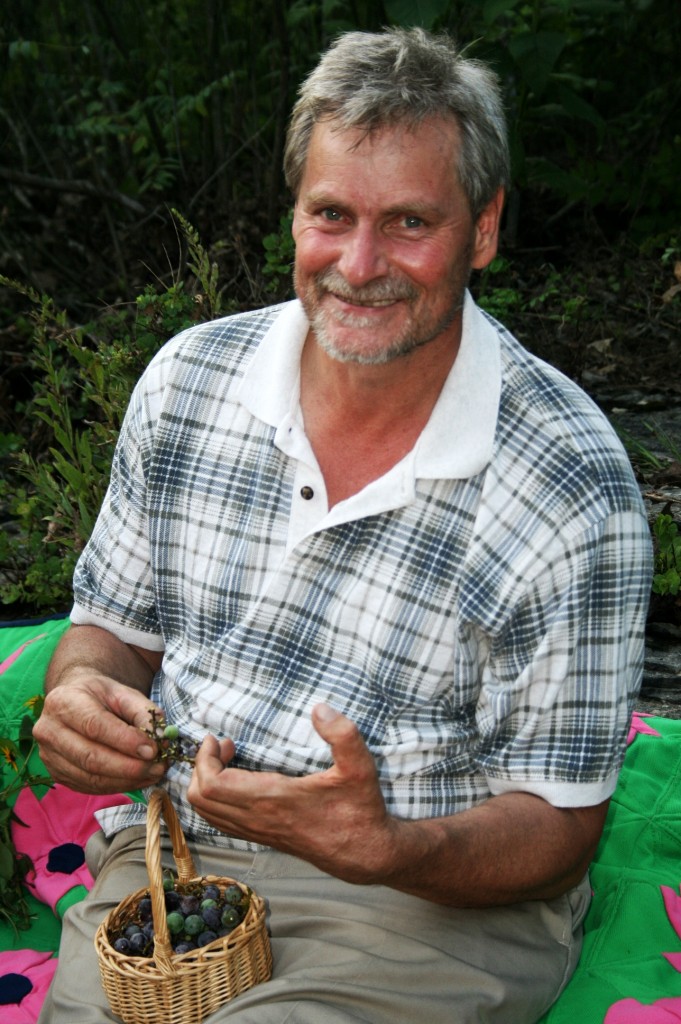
pixel 141 185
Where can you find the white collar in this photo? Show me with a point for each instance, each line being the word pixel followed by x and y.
pixel 457 441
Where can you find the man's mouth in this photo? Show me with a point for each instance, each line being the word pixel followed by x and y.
pixel 365 303
pixel 376 295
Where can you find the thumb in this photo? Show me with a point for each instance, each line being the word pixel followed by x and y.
pixel 349 751
pixel 215 754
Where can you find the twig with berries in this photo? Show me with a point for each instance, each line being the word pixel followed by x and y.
pixel 172 748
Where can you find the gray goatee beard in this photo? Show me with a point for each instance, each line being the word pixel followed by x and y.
pixel 385 290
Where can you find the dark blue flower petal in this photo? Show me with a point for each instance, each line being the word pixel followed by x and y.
pixel 66 858
pixel 13 988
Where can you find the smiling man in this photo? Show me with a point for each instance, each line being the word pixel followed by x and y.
pixel 389 569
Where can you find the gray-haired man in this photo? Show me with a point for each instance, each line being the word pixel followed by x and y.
pixel 389 568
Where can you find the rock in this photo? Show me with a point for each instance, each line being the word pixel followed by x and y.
pixel 661 687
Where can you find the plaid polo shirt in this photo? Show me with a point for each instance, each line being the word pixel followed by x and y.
pixel 478 611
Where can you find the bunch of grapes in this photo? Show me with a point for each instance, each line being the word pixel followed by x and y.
pixel 197 913
pixel 170 744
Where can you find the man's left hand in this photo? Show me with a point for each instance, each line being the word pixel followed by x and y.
pixel 335 819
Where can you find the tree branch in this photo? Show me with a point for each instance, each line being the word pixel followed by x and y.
pixel 84 188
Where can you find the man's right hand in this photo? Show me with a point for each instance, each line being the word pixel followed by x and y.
pixel 90 730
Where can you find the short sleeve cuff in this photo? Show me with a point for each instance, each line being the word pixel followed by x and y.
pixel 140 638
pixel 558 794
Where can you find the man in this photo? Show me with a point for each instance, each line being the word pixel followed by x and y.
pixel 392 572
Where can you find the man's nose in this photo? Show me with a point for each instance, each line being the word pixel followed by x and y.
pixel 363 256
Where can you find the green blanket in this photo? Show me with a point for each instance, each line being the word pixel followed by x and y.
pixel 629 927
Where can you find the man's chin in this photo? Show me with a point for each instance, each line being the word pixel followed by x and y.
pixel 363 352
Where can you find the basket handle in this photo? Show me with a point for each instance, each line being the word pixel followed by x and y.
pixel 161 804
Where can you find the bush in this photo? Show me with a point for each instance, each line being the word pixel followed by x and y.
pixel 55 481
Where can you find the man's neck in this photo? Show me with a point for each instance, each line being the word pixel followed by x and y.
pixel 362 420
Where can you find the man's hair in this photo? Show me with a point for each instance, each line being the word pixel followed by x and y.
pixel 403 77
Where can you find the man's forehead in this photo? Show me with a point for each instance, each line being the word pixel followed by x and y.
pixel 407 158
pixel 405 129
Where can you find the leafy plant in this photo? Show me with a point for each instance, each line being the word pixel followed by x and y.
pixel 15 774
pixel 83 378
pixel 280 251
pixel 667 578
pixel 498 299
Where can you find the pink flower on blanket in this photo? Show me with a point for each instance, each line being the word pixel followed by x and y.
pixel 672 904
pixel 639 725
pixel 25 977
pixel 53 833
pixel 630 1011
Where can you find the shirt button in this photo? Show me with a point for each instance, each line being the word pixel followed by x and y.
pixel 306 493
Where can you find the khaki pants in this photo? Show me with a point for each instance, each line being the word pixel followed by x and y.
pixel 343 952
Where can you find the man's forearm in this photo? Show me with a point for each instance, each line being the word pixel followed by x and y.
pixel 512 848
pixel 92 649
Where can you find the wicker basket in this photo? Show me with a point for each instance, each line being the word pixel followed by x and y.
pixel 179 988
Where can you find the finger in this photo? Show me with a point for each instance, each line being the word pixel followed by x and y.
pixel 90 769
pixel 208 760
pixel 132 707
pixel 212 759
pixel 133 713
pixel 214 753
pixel 350 753
pixel 74 749
pixel 101 713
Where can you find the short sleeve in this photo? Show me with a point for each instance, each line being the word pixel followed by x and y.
pixel 564 667
pixel 113 579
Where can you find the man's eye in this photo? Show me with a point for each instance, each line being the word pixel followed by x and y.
pixel 330 214
pixel 411 221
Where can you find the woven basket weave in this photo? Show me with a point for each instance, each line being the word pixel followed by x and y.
pixel 179 988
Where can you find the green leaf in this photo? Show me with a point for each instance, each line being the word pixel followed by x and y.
pixel 64 439
pixel 6 861
pixel 24 48
pixel 536 55
pixel 423 13
pixel 494 8
pixel 71 474
pixel 598 7
pixel 579 108
pixel 667 583
pixel 565 183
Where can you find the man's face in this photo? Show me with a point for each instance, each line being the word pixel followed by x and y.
pixel 385 240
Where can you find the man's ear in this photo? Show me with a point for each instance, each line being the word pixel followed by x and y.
pixel 486 238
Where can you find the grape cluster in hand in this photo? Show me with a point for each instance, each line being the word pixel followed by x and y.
pixel 171 746
pixel 197 913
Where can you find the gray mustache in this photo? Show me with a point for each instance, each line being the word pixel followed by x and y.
pixel 382 290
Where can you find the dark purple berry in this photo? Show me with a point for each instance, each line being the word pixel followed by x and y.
pixel 185 946
pixel 138 944
pixel 212 918
pixel 172 900
pixel 144 908
pixel 189 905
